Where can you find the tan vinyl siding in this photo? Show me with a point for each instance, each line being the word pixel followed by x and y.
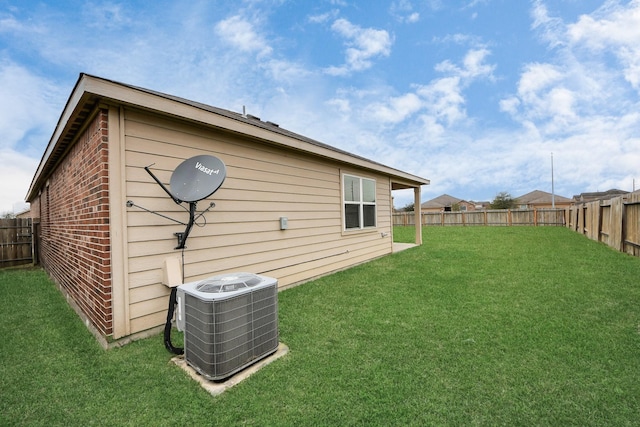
pixel 242 232
pixel 272 173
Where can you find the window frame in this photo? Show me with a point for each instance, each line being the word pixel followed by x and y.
pixel 360 203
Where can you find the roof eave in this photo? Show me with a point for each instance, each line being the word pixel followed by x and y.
pixel 90 89
pixel 70 115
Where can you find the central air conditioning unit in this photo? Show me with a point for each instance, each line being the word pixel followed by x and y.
pixel 229 321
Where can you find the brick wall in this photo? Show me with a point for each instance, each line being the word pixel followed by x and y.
pixel 74 216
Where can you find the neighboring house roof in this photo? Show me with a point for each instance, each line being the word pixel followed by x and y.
pixel 24 214
pixel 599 195
pixel 541 197
pixel 90 91
pixel 441 202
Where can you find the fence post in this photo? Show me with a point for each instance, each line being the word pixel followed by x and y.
pixel 617 229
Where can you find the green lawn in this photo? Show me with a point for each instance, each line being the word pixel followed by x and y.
pixel 479 326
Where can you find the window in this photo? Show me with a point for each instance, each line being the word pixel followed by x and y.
pixel 359 202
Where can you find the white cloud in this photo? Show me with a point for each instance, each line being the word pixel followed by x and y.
pixel 285 71
pixel 363 45
pixel 342 105
pixel 577 103
pixel 28 112
pixel 549 27
pixel 240 33
pixel 444 97
pixel 444 100
pixel 510 105
pixel 575 100
pixel 580 84
pixel 29 103
pixel 414 17
pixel 396 109
pixel 10 24
pixel 436 105
pixel 537 77
pixel 543 96
pixel 17 171
pixel 403 11
pixel 323 17
pixel 474 3
pixel 614 29
pixel 614 24
pixel 474 65
pixel 417 120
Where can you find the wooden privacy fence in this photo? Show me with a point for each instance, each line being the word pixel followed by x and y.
pixel 16 242
pixel 497 217
pixel 615 222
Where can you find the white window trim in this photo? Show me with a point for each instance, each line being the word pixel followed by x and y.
pixel 360 203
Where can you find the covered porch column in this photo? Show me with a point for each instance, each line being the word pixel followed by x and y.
pixel 416 186
pixel 417 212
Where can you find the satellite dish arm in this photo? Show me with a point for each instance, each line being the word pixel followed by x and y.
pixel 166 190
pixel 131 204
pixel 182 237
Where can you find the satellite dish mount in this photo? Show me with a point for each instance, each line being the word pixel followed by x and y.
pixel 193 180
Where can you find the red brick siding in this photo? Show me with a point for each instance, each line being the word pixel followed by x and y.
pixel 74 213
pixel 34 208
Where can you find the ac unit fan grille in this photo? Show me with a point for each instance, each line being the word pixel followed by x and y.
pixel 229 283
pixel 224 336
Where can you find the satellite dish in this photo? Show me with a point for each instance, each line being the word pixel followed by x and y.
pixel 197 178
pixel 193 180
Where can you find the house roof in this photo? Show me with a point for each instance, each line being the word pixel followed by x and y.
pixel 538 196
pixel 90 91
pixel 599 195
pixel 441 202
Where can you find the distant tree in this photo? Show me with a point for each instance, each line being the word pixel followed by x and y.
pixel 409 207
pixel 7 215
pixel 455 207
pixel 503 200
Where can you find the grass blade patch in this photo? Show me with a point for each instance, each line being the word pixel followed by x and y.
pixel 479 326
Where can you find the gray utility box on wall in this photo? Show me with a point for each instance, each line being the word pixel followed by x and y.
pixel 229 321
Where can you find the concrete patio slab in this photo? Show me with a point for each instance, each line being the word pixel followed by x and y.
pixel 398 247
pixel 216 388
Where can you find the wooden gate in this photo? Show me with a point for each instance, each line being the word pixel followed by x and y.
pixel 16 242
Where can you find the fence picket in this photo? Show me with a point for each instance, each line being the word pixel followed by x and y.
pixel 615 222
pixel 494 217
pixel 15 242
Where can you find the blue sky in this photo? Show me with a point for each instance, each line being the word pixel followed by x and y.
pixel 474 95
